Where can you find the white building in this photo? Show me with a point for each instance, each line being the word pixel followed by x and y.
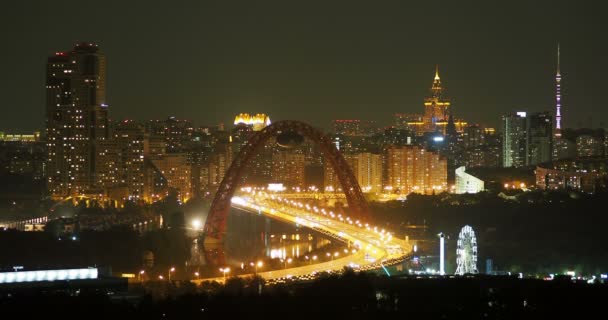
pixel 466 183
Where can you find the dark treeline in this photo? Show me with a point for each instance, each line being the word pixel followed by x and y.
pixel 351 296
pixel 119 248
pixel 530 232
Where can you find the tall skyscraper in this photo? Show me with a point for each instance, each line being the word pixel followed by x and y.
pixel 76 118
pixel 527 139
pixel 514 140
pixel 540 138
pixel 436 106
pixel 558 99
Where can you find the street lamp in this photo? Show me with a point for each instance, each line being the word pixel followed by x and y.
pixel 196 274
pixel 196 224
pixel 170 271
pixel 287 261
pixel 141 273
pixel 225 270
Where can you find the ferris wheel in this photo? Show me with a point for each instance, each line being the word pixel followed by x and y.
pixel 466 251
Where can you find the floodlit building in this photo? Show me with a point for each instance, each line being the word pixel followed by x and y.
pixel 466 183
pixel 256 122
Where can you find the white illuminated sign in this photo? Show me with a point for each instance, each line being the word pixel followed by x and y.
pixel 48 275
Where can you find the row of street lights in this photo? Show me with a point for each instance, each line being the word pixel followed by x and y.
pixel 226 270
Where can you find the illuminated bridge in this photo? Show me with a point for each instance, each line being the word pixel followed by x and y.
pixel 369 246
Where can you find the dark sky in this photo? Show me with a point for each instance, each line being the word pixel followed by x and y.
pixel 312 60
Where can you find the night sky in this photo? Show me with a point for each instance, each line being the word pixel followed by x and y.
pixel 312 60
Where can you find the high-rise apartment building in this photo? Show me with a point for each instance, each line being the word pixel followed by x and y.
pixel 589 146
pixel 414 169
pixel 527 139
pixel 514 140
pixel 540 138
pixel 366 167
pixel 288 167
pixel 76 118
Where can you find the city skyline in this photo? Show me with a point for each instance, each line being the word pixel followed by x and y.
pixel 353 70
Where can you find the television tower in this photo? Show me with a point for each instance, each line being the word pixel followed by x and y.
pixel 558 99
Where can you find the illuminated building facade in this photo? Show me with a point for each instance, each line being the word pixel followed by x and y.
pixel 177 173
pixel 177 134
pixel 436 106
pixel 481 147
pixel 466 183
pixel 563 149
pixel 22 155
pixel 119 163
pixel 527 139
pixel 589 146
pixel 586 175
pixel 410 121
pixel 414 169
pixel 514 140
pixel 540 138
pixel 76 118
pixel 288 167
pixel 23 138
pixel 368 171
pixel 366 167
pixel 129 137
pixel 256 122
pixel 437 112
pixel 473 136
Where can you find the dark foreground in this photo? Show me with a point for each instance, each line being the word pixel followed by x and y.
pixel 352 296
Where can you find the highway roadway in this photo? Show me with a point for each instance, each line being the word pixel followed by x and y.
pixel 370 247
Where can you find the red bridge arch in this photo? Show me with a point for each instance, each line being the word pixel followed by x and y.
pixel 215 226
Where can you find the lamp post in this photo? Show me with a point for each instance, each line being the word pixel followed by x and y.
pixel 287 261
pixel 171 271
pixel 196 274
pixel 141 274
pixel 224 271
pixel 441 253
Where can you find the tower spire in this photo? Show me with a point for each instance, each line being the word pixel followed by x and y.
pixel 558 98
pixel 437 72
pixel 558 72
